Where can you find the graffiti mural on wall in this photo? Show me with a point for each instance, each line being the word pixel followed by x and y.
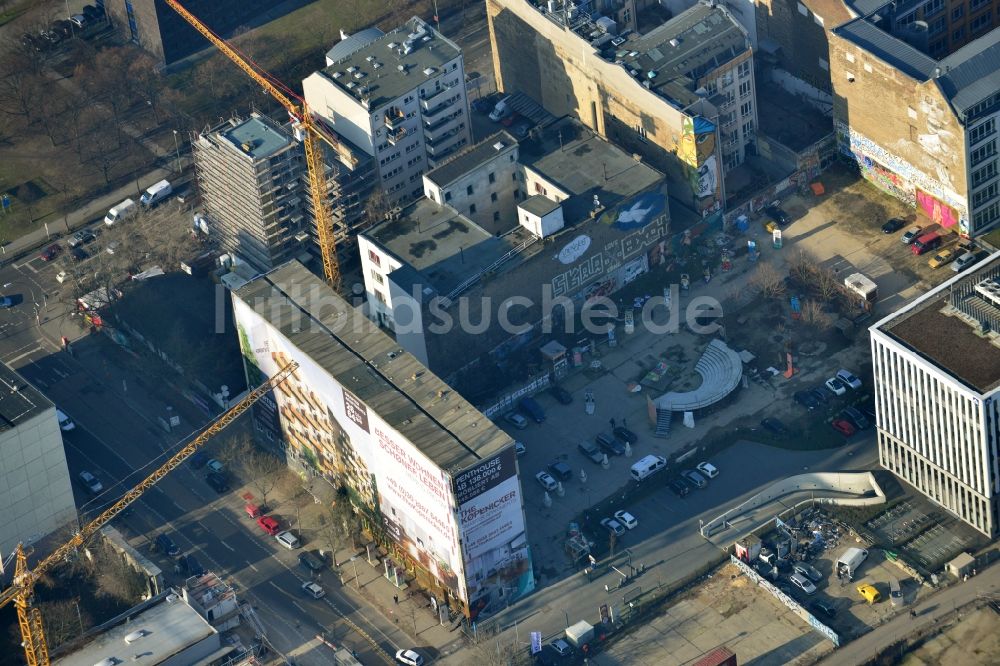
pixel 863 149
pixel 887 181
pixel 697 142
pixel 938 212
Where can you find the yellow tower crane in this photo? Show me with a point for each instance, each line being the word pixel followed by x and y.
pixel 311 130
pixel 36 651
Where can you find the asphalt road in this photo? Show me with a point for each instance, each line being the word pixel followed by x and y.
pixel 118 439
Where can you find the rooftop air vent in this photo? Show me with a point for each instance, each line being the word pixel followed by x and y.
pixel 337 75
pixel 392 45
pixel 135 636
pixel 675 43
pixel 499 145
pixel 429 71
pixel 352 69
pixel 370 58
pixel 359 75
pixel 376 65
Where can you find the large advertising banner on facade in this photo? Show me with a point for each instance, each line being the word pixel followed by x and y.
pixel 347 442
pixel 497 558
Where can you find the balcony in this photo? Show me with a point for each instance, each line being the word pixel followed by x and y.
pixel 430 127
pixel 395 136
pixel 393 118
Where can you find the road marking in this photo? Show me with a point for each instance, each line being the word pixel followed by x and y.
pixel 273 584
pixel 303 610
pixel 227 546
pixel 249 564
pixel 20 356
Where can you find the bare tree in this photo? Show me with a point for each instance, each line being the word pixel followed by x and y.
pixel 146 81
pixel 377 206
pixel 22 86
pixel 259 467
pixel 490 649
pixel 767 281
pixel 812 313
pixel 63 621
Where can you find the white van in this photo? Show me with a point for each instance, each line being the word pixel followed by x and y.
pixel 65 423
pixel 500 111
pixel 123 210
pixel 647 466
pixel 157 193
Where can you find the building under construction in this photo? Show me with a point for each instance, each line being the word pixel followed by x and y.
pixel 255 189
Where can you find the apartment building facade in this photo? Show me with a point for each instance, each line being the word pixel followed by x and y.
pixel 937 390
pixel 400 98
pixel 682 95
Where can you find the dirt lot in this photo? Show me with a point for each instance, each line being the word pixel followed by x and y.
pixel 728 609
pixel 973 641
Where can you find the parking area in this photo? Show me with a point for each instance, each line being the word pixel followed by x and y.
pixel 726 609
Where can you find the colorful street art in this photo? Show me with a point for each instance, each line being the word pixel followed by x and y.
pixel 938 212
pixel 697 142
pixel 887 181
pixel 635 213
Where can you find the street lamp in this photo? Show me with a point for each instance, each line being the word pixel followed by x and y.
pixel 354 562
pixel 177 149
pixel 567 617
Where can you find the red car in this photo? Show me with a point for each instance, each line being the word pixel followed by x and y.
pixel 269 525
pixel 843 427
pixel 50 253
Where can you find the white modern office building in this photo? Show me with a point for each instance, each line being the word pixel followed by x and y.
pixel 400 97
pixel 937 392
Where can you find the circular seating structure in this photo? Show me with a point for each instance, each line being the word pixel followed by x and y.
pixel 721 370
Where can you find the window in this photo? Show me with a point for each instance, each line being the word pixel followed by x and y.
pixel 957 35
pixel 493 196
pixel 985 216
pixel 517 195
pixel 744 89
pixel 747 129
pixel 380 297
pixel 496 216
pixel 936 26
pixel 957 12
pixel 468 190
pixel 447 196
pixel 746 109
pixel 539 189
pixel 472 209
pixel 982 21
pixel 712 87
pixel 987 193
pixel 980 176
pixel 374 258
pixel 493 178
pixel 984 151
pixel 932 7
pixel 377 277
pixel 981 131
pixel 976 4
pixel 744 69
pixel 513 177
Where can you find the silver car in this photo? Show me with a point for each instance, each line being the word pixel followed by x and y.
pixel 696 479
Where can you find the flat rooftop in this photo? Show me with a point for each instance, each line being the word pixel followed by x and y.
pixel 19 400
pixel 585 165
pixel 416 403
pixel 170 628
pixel 938 328
pixel 382 69
pixel 257 137
pixel 675 55
pixel 470 159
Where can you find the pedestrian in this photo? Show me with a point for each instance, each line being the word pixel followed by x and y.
pixel 624 422
pixel 913 613
pixel 395 599
pixel 612 422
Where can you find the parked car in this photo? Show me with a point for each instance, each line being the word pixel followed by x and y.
pixel 519 449
pixel 218 482
pixel 78 254
pixel 808 571
pixel 482 105
pixel 849 379
pixel 843 427
pixel 288 540
pixel 708 470
pixel 198 460
pixel 778 215
pixel 562 648
pixel 627 519
pixel 679 487
pixel 836 386
pixel 893 225
pixel 90 483
pixel 774 426
pixel 694 478
pixel 166 545
pixel 546 480
pixel 516 420
pixel 269 525
pixel 626 435
pixel 942 257
pixel 823 608
pixel 613 526
pixel 591 452
pixel 610 444
pixel 562 396
pixel 93 13
pixel 561 470
pixel 803 583
pixel 215 466
pixel 806 399
pixel 311 561
pixel 821 394
pixel 51 252
pixel 911 234
pixel 61 276
pixel 964 262
pixel 313 590
pixel 531 407
pixel 855 417
pixel 79 20
pixel 6 302
pixel 409 658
